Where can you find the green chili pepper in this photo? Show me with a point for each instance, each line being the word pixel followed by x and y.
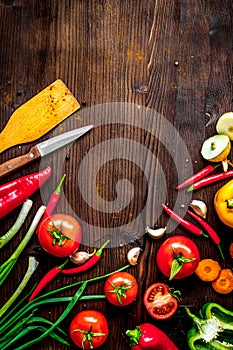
pixel 213 329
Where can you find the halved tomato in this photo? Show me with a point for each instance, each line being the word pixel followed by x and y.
pixel 160 301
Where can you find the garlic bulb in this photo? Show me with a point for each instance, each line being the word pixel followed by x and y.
pixel 133 255
pixel 199 207
pixel 156 233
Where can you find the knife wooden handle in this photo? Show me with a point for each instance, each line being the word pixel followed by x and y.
pixel 18 162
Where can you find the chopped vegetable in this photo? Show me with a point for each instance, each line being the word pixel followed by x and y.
pixel 17 225
pixel 199 175
pixel 225 125
pixel 88 264
pixel 211 232
pixel 8 265
pixel 14 193
pixel 213 329
pixel 210 180
pixel 208 270
pixel 32 265
pixel 216 149
pixel 224 283
pixel 148 337
pixel 185 223
pixel 161 302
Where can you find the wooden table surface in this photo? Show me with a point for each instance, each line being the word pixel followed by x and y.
pixel 153 77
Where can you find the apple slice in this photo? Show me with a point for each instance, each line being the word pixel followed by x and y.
pixel 225 125
pixel 216 149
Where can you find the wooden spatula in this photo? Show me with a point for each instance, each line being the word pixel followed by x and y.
pixel 38 115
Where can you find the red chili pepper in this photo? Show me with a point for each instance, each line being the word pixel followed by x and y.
pixel 52 201
pixel 88 264
pixel 212 234
pixel 148 337
pixel 210 179
pixel 48 277
pixel 14 193
pixel 185 223
pixel 196 177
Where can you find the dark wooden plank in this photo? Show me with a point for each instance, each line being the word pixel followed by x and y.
pixel 153 77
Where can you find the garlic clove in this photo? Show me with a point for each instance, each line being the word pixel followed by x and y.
pixel 155 233
pixel 133 255
pixel 79 258
pixel 199 207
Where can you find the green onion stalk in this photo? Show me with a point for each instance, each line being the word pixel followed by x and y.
pixel 8 265
pixel 18 223
pixel 20 320
pixel 32 265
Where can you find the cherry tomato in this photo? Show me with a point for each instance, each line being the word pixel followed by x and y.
pixel 121 288
pixel 89 329
pixel 60 235
pixel 160 301
pixel 178 257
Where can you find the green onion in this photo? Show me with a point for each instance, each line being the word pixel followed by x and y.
pixel 32 265
pixel 7 266
pixel 21 319
pixel 18 223
pixel 69 307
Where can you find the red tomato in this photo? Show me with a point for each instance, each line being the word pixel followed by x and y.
pixel 121 288
pixel 89 329
pixel 178 257
pixel 60 235
pixel 160 302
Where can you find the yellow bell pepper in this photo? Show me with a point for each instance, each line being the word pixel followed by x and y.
pixel 223 203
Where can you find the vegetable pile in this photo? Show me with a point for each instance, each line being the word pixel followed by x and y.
pixel 177 257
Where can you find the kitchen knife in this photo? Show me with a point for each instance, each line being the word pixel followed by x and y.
pixel 42 149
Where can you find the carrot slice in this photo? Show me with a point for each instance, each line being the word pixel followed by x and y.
pixel 208 270
pixel 224 283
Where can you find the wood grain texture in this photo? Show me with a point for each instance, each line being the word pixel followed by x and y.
pixel 153 76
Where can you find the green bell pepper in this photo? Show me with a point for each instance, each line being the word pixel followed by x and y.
pixel 213 329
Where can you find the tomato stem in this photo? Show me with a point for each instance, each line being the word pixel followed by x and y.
pixel 120 291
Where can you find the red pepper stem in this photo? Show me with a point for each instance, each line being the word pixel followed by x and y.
pixel 203 234
pixel 100 250
pixel 221 252
pixel 58 189
pixel 134 335
pixel 62 265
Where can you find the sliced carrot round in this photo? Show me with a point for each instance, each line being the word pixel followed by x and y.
pixel 208 270
pixel 224 283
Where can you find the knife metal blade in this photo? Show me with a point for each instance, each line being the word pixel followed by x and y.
pixel 42 149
